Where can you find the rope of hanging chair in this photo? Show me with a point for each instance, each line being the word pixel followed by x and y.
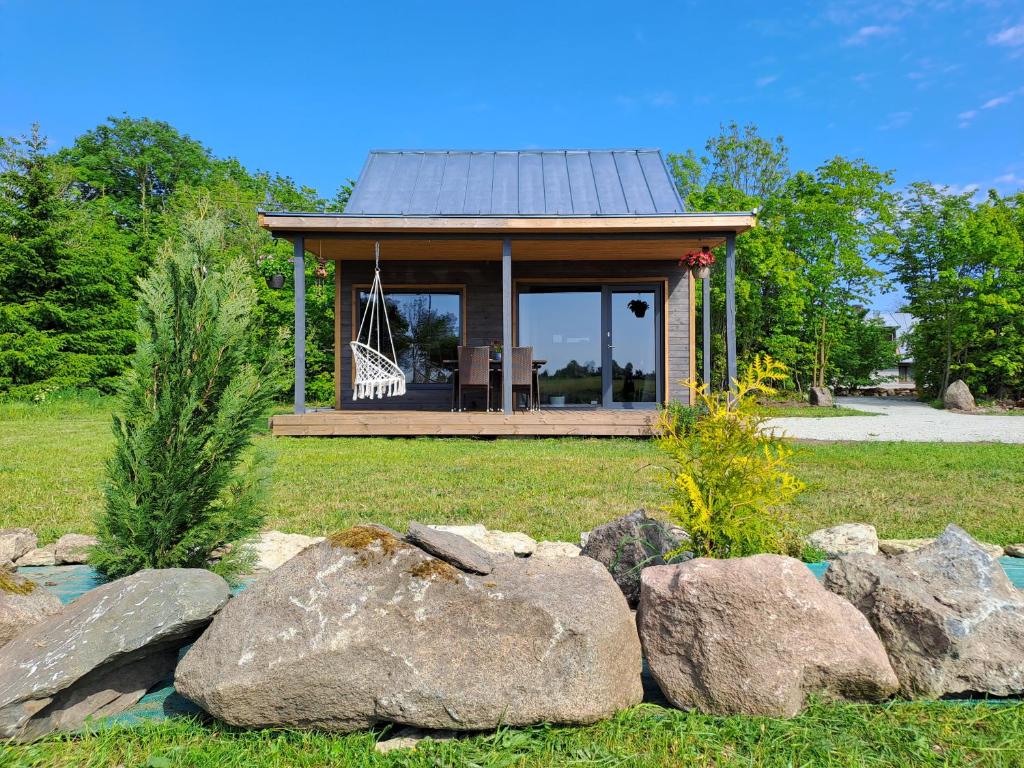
pixel 377 375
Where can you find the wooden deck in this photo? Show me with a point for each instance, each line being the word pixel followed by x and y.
pixel 599 422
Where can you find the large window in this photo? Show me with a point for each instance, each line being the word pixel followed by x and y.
pixel 427 329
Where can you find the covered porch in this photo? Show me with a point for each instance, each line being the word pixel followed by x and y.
pixel 600 300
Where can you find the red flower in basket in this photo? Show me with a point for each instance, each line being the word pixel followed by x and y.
pixel 702 258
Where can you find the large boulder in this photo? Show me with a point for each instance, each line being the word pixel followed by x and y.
pixel 950 619
pixel 74 548
pixel 631 543
pixel 820 396
pixel 22 604
pixel 100 655
pixel 365 628
pixel 755 635
pixel 958 397
pixel 272 549
pixel 845 539
pixel 15 542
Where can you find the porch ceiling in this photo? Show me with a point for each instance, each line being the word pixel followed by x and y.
pixel 562 249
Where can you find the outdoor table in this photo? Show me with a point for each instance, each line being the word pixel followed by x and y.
pixel 496 370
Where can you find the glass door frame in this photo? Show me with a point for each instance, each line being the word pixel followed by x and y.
pixel 608 287
pixel 608 339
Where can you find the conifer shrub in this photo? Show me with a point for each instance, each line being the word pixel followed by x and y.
pixel 730 481
pixel 184 480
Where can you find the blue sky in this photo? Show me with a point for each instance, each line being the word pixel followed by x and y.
pixel 933 90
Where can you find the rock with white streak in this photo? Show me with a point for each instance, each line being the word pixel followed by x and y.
pixel 950 619
pixel 272 549
pixel 22 604
pixel 845 539
pixel 104 651
pixel 365 629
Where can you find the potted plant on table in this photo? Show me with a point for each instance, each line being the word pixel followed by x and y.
pixel 496 350
pixel 699 262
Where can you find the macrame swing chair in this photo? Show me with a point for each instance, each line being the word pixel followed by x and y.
pixel 377 375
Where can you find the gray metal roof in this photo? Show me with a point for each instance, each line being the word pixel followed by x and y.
pixel 563 182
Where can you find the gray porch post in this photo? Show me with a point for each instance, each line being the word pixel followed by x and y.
pixel 300 324
pixel 730 307
pixel 506 326
pixel 706 318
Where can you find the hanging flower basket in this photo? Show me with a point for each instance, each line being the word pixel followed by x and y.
pixel 638 307
pixel 275 281
pixel 699 262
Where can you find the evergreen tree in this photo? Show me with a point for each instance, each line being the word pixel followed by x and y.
pixel 179 486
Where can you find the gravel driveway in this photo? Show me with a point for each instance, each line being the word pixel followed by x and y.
pixel 904 420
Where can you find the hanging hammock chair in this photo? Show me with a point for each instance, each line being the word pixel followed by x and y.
pixel 377 375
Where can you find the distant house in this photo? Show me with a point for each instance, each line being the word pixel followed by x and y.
pixel 571 256
pixel 899 324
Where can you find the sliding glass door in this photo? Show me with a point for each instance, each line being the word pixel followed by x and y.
pixel 601 344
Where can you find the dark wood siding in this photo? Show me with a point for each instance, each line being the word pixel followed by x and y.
pixel 482 310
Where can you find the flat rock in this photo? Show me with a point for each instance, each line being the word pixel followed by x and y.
pixel 15 542
pixel 950 619
pixel 631 543
pixel 40 556
pixel 512 543
pixel 755 635
pixel 73 548
pixel 410 738
pixel 365 629
pixel 1014 550
pixel 100 655
pixel 893 547
pixel 22 604
pixel 958 397
pixel 272 549
pixel 450 547
pixel 556 549
pixel 845 539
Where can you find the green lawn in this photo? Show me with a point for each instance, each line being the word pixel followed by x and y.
pixel 51 470
pixel 812 412
pixel 647 736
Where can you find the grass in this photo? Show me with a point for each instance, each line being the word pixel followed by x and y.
pixel 812 412
pixel 647 736
pixel 51 469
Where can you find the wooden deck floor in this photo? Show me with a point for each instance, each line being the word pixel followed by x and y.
pixel 543 423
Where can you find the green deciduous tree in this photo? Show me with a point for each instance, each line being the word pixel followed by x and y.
pixel 178 487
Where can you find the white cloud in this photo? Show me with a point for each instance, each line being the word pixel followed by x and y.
pixel 1010 179
pixel 866 34
pixel 1011 37
pixel 895 120
pixel 761 82
pixel 661 99
pixel 996 102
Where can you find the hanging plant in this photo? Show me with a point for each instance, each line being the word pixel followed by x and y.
pixel 638 307
pixel 699 262
pixel 272 267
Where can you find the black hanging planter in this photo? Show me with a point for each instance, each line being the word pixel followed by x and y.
pixel 276 281
pixel 638 307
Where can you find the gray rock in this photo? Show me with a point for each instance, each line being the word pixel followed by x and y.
pixel 895 547
pixel 950 619
pixel 958 397
pixel 450 547
pixel 755 635
pixel 845 539
pixel 820 396
pixel 272 549
pixel 365 629
pixel 1014 550
pixel 15 542
pixel 511 543
pixel 630 543
pixel 40 556
pixel 22 604
pixel 73 548
pixel 101 654
pixel 410 738
pixel 556 549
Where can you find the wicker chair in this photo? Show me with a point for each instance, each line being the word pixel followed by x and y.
pixel 522 374
pixel 475 371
